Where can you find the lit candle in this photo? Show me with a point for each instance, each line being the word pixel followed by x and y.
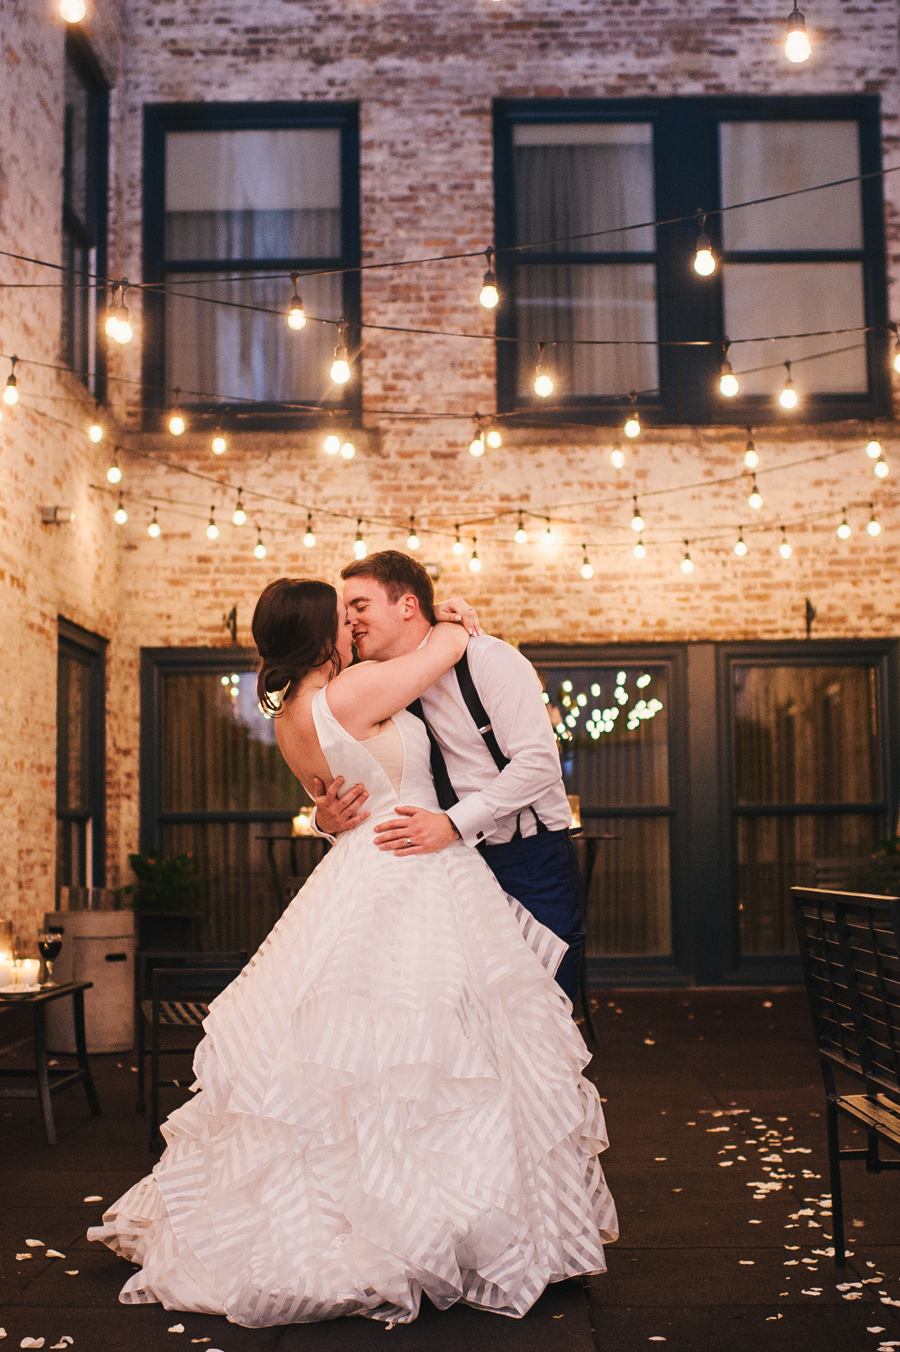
pixel 26 971
pixel 5 969
pixel 302 823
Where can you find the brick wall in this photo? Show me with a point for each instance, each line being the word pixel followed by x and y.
pixel 424 75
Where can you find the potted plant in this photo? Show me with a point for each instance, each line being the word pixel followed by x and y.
pixel 167 898
pixel 882 874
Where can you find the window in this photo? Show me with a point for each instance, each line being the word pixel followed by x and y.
pixel 85 132
pixel 80 758
pixel 237 198
pixel 566 172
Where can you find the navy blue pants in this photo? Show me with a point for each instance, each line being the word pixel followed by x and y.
pixel 542 872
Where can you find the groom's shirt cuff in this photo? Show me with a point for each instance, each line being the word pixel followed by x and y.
pixel 472 819
pixel 314 827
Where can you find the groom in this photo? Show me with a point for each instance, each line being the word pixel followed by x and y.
pixel 493 754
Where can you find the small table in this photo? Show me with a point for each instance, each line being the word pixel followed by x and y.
pixel 51 1079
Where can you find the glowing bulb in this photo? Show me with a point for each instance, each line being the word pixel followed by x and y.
pixel 873 449
pixel 728 381
pixel 474 562
pixel 359 544
pixel 122 330
pixel 332 444
pixel 640 550
pixel 219 444
pixel 751 456
pixel 844 531
pixel 259 549
pixel 73 11
pixel 687 563
pixel 549 539
pixel 154 530
pixel 95 432
pixel 348 450
pixel 881 468
pixel 784 548
pixel 587 569
pixel 632 427
pixel 494 439
pixel 521 535
pixel 11 391
pixel 617 456
pixel 543 385
pixel 637 521
pixel 177 424
pixel 458 546
pixel 114 473
pixel 874 525
pixel 296 316
pixel 740 547
pixel 239 516
pixel 212 530
pixel 704 260
pixel 309 539
pixel 476 445
pixel 796 46
pixel 490 296
pixel 340 367
pixel 412 540
pixel 755 498
pixel 788 396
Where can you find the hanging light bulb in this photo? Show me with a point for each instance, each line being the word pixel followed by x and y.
pixel 476 445
pixel 219 444
pixel 348 450
pixel 844 530
pixel 881 467
pixel 177 423
pixel 587 568
pixel 296 317
pixel 154 530
pixel 340 366
pixel 474 561
pixel 73 11
pixel 309 539
pixel 632 426
pixel 543 381
pixel 239 516
pixel 873 448
pixel 549 539
pixel 784 548
pixel 494 438
pixel 11 390
pixel 122 331
pixel 412 540
pixel 112 313
pixel 687 563
pixel 788 396
pixel 95 433
pixel 755 498
pixel 120 516
pixel 114 473
pixel 332 444
pixel 617 456
pixel 740 547
pixel 490 296
pixel 521 535
pixel 728 381
pixel 751 456
pixel 212 530
pixel 640 549
pixel 359 544
pixel 458 546
pixel 796 44
pixel 259 549
pixel 637 521
pixel 874 525
pixel 704 259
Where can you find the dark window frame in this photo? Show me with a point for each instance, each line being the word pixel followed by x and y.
pixel 90 649
pixel 160 118
pixel 93 232
pixel 686 160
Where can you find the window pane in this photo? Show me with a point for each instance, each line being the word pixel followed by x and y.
pixel 777 853
pixel 629 911
pixel 219 752
pixel 74 734
pixel 773 298
pixel 253 194
pixel 239 354
pixel 577 178
pixel 588 301
pixel 78 300
pixel 760 159
pixel 75 159
pixel 806 734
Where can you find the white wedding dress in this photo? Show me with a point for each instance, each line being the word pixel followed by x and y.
pixel 389 1099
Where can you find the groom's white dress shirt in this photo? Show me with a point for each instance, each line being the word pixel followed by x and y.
pixel 511 693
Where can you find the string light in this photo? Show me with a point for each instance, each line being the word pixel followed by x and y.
pixel 239 516
pixel 751 456
pixel 309 539
pixel 458 546
pixel 11 390
pixel 348 450
pixel 494 438
pixel 587 568
pixel 543 382
pixel 73 11
pixel 521 535
pixel 332 444
pixel 474 561
pixel 844 530
pixel 755 498
pixel 212 530
pixel 687 563
pixel 640 549
pixel 704 259
pixel 632 425
pixel 359 544
pixel 490 296
pixel 788 396
pixel 637 521
pixel 177 422
pixel 412 540
pixel 476 445
pixel 617 456
pixel 296 317
pixel 259 549
pixel 796 44
pixel 874 525
pixel 118 320
pixel 340 366
pixel 114 473
pixel 728 381
pixel 95 433
pixel 154 530
pixel 784 548
pixel 120 516
pixel 873 448
pixel 549 539
pixel 219 444
pixel 881 467
pixel 740 547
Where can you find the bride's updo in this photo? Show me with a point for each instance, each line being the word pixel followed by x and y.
pixel 295 628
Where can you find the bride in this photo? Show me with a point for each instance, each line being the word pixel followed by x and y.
pixel 389 1097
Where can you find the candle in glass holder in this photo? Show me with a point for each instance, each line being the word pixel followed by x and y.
pixel 301 825
pixel 26 971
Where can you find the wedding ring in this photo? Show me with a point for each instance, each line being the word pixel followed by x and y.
pixel 409 842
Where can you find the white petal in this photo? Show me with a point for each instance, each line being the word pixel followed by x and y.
pixel 94 1197
pixel 177 1328
pixel 54 1253
pixel 876 1328
pixel 21 1257
pixel 35 1244
pixel 71 1272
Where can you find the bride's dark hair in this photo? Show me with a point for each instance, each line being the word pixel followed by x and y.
pixel 295 628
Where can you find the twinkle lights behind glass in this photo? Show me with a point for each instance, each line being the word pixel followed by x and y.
pixel 612 705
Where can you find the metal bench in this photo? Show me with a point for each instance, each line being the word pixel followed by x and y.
pixel 850 947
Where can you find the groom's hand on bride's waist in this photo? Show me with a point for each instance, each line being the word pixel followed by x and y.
pixel 416 831
pixel 334 814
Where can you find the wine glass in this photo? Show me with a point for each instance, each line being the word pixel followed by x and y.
pixel 49 944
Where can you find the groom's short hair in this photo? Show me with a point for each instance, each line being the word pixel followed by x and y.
pixel 399 575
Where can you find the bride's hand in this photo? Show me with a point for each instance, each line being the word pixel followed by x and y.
pixel 457 610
